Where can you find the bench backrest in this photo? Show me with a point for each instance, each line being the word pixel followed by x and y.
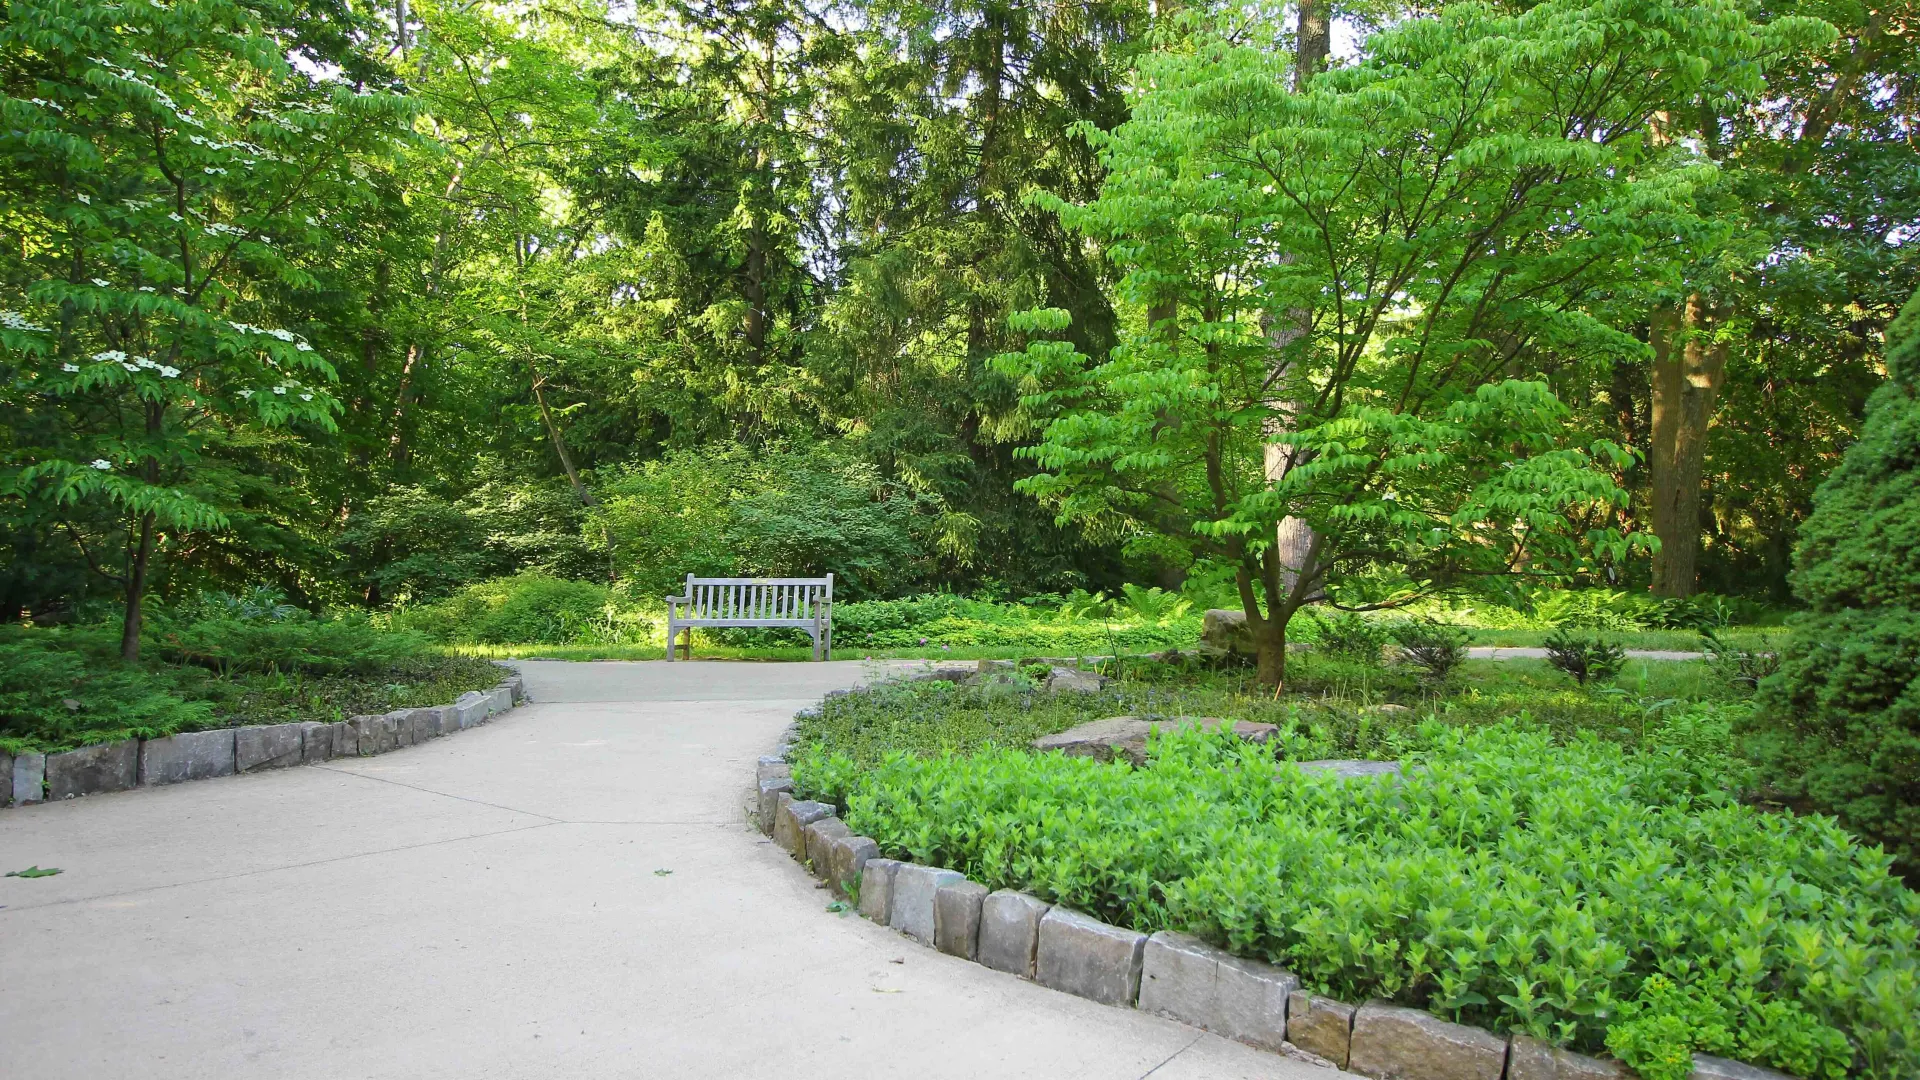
pixel 758 599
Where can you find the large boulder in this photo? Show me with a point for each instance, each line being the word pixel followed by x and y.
pixel 1126 736
pixel 1224 633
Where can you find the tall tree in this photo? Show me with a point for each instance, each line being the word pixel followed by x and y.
pixel 1449 210
pixel 171 179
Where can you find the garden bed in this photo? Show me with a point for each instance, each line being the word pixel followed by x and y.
pixel 1606 891
pixel 66 688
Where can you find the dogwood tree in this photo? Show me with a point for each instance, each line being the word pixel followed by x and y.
pixel 171 170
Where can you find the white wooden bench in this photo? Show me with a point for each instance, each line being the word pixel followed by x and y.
pixel 800 603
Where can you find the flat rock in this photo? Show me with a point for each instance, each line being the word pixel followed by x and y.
pixel 1085 957
pixel 268 746
pixel 1065 680
pixel 195 755
pixel 914 887
pixel 1708 1067
pixel 1392 1042
pixel 1320 1026
pixel 956 918
pixel 1529 1058
pixel 1351 769
pixel 1126 736
pixel 92 770
pixel 876 890
pixel 1010 931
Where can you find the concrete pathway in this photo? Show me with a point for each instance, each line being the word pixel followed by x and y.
pixel 570 891
pixel 1505 652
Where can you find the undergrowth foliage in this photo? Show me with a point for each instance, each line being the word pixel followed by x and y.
pixel 1577 891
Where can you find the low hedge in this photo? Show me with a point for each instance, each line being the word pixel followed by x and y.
pixel 1580 892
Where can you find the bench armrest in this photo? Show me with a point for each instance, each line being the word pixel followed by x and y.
pixel 679 599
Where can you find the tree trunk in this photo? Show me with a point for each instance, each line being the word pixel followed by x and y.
pixel 1270 652
pixel 1688 366
pixel 559 444
pixel 137 590
pixel 1312 41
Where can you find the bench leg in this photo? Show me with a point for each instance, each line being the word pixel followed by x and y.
pixel 670 632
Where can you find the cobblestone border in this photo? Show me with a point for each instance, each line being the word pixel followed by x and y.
pixel 1167 974
pixel 201 755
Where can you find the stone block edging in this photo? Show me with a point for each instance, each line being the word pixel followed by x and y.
pixel 1169 974
pixel 201 755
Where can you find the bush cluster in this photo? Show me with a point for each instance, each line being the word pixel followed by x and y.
pixel 531 609
pixel 1579 892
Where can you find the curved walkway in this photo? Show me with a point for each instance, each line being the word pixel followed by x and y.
pixel 569 891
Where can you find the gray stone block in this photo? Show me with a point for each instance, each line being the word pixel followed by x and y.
pixel 6 779
pixel 270 746
pixel 1708 1067
pixel 1529 1058
pixel 364 735
pixel 443 719
pixel 471 709
pixel 1250 1000
pixel 517 686
pixel 422 724
pixel 876 890
pixel 92 770
pixel 773 770
pixel 1085 957
pixel 1188 980
pixel 819 837
pixel 791 820
pixel 1010 931
pixel 846 859
pixel 196 755
pixel 345 741
pixel 316 742
pixel 956 918
pixel 1178 974
pixel 29 778
pixel 1391 1042
pixel 770 792
pixel 913 890
pixel 499 699
pixel 1320 1026
pixel 398 729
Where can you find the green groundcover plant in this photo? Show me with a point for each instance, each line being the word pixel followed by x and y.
pixel 1598 897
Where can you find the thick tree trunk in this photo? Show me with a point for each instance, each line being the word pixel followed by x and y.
pixel 1688 367
pixel 1312 41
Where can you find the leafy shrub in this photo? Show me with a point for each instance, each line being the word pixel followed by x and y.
pixel 54 694
pixel 1505 881
pixel 1351 635
pixel 737 512
pixel 1436 648
pixel 530 609
pixel 300 643
pixel 1842 716
pixel 1584 657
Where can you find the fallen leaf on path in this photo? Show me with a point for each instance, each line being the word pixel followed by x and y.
pixel 34 871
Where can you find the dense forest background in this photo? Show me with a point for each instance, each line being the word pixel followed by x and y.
pixel 369 302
